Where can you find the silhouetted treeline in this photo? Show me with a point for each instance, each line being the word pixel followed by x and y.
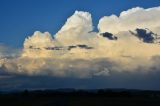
pixel 73 97
pixel 99 92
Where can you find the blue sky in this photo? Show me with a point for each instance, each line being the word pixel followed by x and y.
pixel 20 19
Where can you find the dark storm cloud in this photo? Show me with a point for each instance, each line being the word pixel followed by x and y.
pixel 145 35
pixel 116 80
pixel 108 35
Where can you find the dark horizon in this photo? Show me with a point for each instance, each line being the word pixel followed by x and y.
pixel 71 97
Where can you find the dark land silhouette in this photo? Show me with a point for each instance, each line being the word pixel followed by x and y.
pixel 73 97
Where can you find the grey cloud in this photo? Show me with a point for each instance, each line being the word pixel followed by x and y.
pixel 108 35
pixel 146 35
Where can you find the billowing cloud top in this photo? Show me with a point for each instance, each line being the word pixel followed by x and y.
pixel 76 29
pixel 129 42
pixel 131 19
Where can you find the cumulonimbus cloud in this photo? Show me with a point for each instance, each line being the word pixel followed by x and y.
pixel 129 42
pixel 131 19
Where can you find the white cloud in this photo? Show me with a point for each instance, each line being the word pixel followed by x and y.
pixel 130 20
pixel 39 40
pixel 36 43
pixel 77 29
pixel 78 51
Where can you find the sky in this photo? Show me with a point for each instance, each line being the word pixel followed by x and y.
pixel 22 18
pixel 46 44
